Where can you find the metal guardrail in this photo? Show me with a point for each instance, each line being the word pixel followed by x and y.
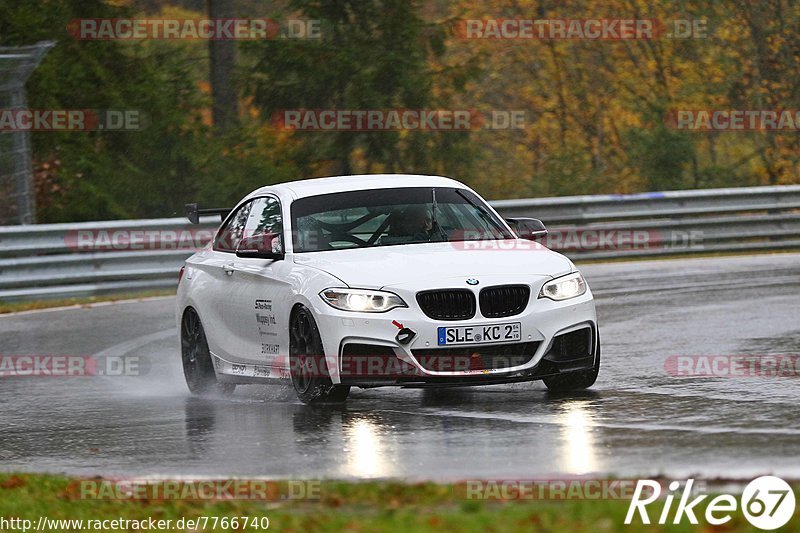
pixel 80 259
pixel 575 209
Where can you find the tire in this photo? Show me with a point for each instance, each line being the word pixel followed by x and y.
pixel 573 381
pixel 309 372
pixel 198 368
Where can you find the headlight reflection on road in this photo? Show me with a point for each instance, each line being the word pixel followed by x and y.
pixel 366 455
pixel 579 449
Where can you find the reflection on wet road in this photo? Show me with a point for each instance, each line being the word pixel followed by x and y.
pixel 638 420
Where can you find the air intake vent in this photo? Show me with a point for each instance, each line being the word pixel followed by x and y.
pixel 466 358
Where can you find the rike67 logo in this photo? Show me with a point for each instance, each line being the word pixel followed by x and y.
pixel 767 502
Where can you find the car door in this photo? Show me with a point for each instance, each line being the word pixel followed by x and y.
pixel 215 282
pixel 260 294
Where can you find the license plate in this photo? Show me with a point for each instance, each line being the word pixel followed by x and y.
pixel 480 334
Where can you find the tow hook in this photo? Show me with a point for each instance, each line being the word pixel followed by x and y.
pixel 405 335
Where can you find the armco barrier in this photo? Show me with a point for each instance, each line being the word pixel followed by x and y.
pixel 51 261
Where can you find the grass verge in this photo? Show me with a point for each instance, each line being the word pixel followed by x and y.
pixel 361 506
pixel 34 305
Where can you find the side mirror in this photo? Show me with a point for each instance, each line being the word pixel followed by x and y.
pixel 528 228
pixel 263 246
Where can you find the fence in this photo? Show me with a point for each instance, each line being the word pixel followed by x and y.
pixel 47 261
pixel 16 174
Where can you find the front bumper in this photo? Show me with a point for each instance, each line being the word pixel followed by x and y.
pixel 542 353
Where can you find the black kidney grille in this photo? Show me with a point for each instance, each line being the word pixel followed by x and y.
pixel 447 304
pixel 504 300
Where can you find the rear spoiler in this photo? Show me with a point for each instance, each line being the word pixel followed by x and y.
pixel 193 213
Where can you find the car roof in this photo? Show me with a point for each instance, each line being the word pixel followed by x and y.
pixel 315 186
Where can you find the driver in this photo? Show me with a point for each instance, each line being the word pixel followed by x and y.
pixel 416 221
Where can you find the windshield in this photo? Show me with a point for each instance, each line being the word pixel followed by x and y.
pixel 390 217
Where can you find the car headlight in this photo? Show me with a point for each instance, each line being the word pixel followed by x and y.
pixel 564 288
pixel 361 300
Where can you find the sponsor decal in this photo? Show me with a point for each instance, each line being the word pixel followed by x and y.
pixel 264 305
pixel 270 349
pixel 261 371
pixel 266 319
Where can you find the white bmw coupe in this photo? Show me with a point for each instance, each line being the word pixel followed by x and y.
pixel 380 280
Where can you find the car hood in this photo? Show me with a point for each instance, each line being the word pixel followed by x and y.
pixel 421 264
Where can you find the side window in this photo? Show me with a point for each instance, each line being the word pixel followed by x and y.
pixel 265 225
pixel 264 218
pixel 231 233
pixel 258 218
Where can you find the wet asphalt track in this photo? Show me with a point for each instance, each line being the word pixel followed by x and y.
pixel 637 421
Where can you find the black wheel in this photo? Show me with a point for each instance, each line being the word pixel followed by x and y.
pixel 572 381
pixel 308 370
pixel 198 369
